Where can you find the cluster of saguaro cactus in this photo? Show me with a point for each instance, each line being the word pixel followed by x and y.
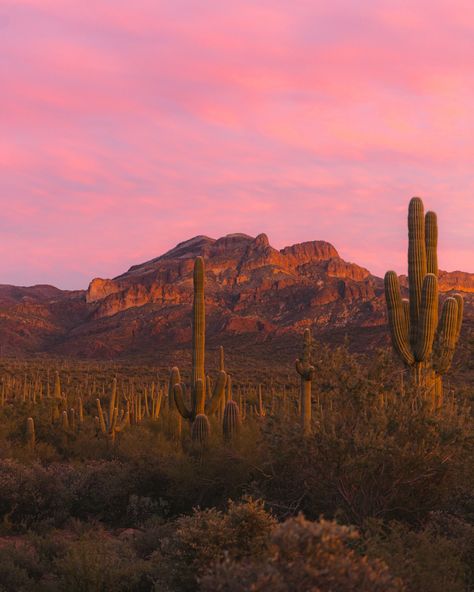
pixel 425 344
pixel 203 403
pixel 113 422
pixel 306 372
pixel 424 340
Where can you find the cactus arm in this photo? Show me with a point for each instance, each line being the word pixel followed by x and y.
pixel 159 399
pixel 261 407
pixel 445 341
pixel 228 388
pixel 416 260
pixel 397 318
pixel 428 318
pixel 406 310
pixel 124 422
pixel 431 243
pixel 305 371
pixel 146 406
pixel 57 386
pixel 460 300
pixel 174 378
pixel 218 392
pixel 113 398
pixel 113 421
pixel 179 402
pixel 100 413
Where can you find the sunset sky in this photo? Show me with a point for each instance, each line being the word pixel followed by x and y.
pixel 127 127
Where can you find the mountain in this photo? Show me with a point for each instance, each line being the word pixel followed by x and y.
pixel 254 294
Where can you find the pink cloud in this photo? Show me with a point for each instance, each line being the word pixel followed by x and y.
pixel 126 128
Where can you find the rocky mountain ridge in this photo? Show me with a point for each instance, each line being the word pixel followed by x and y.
pixel 252 290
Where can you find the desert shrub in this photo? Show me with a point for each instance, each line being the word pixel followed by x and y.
pixel 424 559
pixel 33 495
pixel 93 561
pixel 197 541
pixel 102 491
pixel 304 555
pixel 222 473
pixel 99 563
pixel 374 451
pixel 20 569
pixel 149 538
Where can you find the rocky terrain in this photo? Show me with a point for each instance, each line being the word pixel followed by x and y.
pixel 255 295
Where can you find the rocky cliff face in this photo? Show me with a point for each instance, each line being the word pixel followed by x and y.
pixel 252 290
pixel 242 273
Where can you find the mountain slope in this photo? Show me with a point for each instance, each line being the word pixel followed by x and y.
pixel 254 293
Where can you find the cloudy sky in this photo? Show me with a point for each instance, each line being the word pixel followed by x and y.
pixel 127 127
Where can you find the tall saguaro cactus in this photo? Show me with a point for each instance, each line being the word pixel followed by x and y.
pixel 306 371
pixel 199 325
pixel 200 404
pixel 425 344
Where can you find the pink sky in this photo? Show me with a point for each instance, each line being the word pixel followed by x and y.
pixel 127 127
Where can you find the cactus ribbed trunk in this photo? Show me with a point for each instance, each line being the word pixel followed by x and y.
pixel 231 421
pixel 199 326
pixel 416 261
pixel 201 430
pixel 200 404
pixel 306 372
pixel 306 406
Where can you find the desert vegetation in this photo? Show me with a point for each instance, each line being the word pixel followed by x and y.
pixel 339 472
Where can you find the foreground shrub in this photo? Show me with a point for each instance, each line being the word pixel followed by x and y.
pixel 99 563
pixel 33 495
pixel 304 555
pixel 208 536
pixel 20 569
pixel 425 559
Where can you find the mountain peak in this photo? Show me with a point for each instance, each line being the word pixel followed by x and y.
pixel 252 289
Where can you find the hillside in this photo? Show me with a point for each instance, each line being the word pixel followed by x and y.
pixel 254 293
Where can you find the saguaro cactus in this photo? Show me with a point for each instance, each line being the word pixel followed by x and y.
pixel 174 418
pixel 306 371
pixel 425 344
pixel 110 423
pixel 200 405
pixel 199 324
pixel 231 421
